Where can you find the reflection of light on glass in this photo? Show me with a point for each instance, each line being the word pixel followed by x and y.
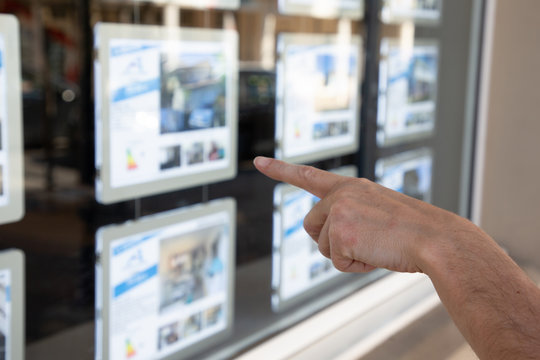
pixel 268 42
pixel 171 15
pixel 322 8
pixel 68 95
pixel 145 121
pixel 406 39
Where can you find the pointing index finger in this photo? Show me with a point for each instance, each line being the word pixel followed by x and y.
pixel 313 180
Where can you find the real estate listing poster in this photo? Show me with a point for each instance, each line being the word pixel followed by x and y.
pixel 166 283
pixel 318 79
pixel 166 117
pixel 12 305
pixel 353 9
pixel 409 173
pixel 419 11
pixel 11 173
pixel 197 4
pixel 212 4
pixel 5 314
pixel 298 267
pixel 4 195
pixel 408 84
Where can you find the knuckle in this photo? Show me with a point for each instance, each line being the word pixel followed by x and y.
pixel 341 264
pixel 324 250
pixel 306 173
pixel 342 206
pixel 364 181
pixel 312 229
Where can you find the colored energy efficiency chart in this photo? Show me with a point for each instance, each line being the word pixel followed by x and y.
pixel 298 268
pixel 408 81
pixel 409 173
pixel 317 103
pixel 420 11
pixel 11 149
pixel 166 109
pixel 165 283
pixel 353 9
pixel 12 335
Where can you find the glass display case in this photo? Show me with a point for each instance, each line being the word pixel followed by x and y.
pixel 147 231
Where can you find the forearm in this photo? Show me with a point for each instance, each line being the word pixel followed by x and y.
pixel 494 304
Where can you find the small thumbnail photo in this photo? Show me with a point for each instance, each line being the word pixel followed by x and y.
pixel 195 154
pixel 192 267
pixel 169 334
pixel 318 268
pixel 213 315
pixel 422 78
pixel 170 157
pixel 217 151
pixel 192 325
pixel 192 92
pixel 324 130
pixel 333 89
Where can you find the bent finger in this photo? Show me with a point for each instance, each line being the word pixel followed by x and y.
pixel 324 241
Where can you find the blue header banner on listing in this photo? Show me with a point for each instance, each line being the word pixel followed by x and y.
pixel 136 89
pixel 129 49
pixel 135 280
pixel 130 244
pixel 296 227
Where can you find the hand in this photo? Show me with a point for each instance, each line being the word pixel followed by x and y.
pixel 361 225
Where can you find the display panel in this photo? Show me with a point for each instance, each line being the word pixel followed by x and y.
pixel 419 11
pixel 353 9
pixel 197 4
pixel 409 173
pixel 212 4
pixel 165 283
pixel 12 305
pixel 297 265
pixel 11 167
pixel 166 114
pixel 317 104
pixel 407 91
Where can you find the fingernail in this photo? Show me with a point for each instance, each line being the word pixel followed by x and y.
pixel 261 161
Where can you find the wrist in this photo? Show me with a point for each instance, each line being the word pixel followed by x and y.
pixel 444 248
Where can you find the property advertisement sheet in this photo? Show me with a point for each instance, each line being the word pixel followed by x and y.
pixel 420 11
pixel 167 117
pixel 11 144
pixel 407 91
pixel 197 4
pixel 409 173
pixel 12 305
pixel 212 4
pixel 169 288
pixel 353 9
pixel 317 96
pixel 5 314
pixel 298 266
pixel 4 169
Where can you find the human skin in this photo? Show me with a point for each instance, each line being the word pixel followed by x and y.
pixel 361 225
